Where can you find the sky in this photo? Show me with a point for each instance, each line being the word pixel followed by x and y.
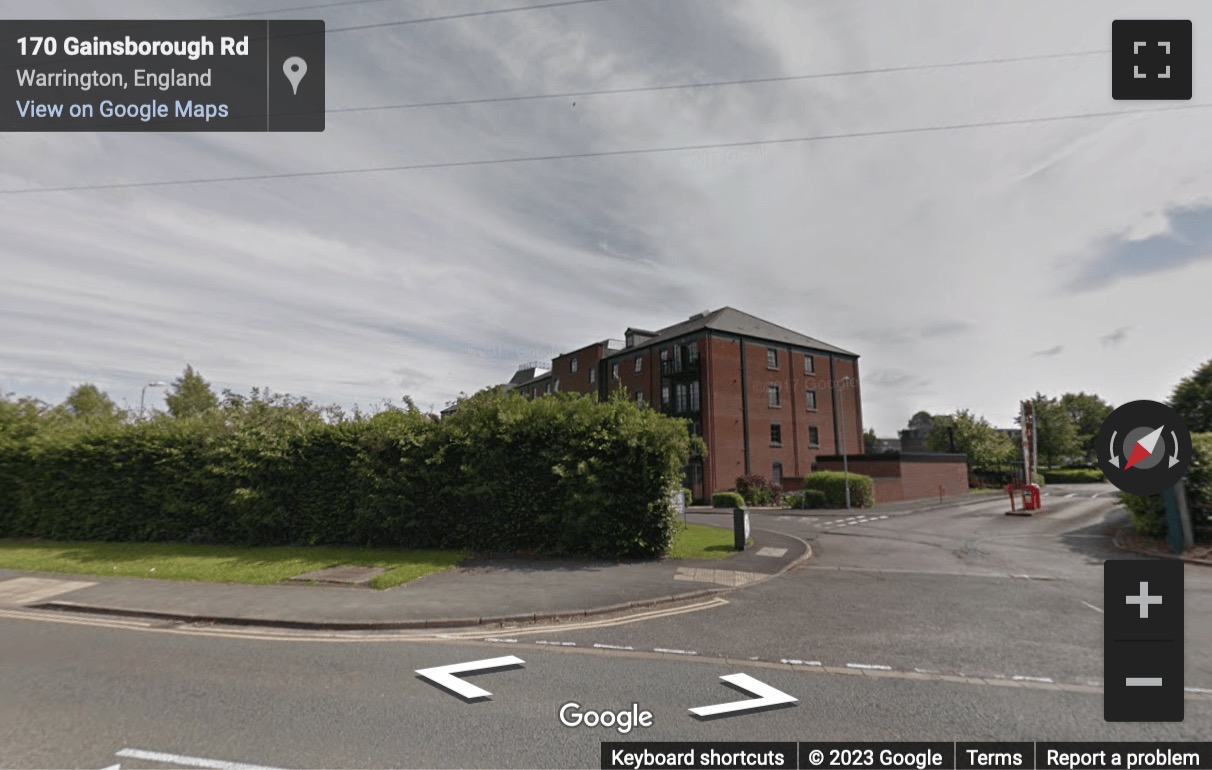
pixel 968 267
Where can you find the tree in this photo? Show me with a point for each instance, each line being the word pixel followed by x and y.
pixel 1192 399
pixel 88 402
pixel 190 395
pixel 973 435
pixel 1055 432
pixel 870 442
pixel 1087 412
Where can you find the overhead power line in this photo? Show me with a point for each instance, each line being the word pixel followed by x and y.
pixel 467 15
pixel 268 11
pixel 608 153
pixel 719 83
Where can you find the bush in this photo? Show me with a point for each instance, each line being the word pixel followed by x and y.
pixel 756 490
pixel 566 475
pixel 809 499
pixel 687 496
pixel 832 484
pixel 727 500
pixel 1074 476
pixel 1148 514
pixel 1039 478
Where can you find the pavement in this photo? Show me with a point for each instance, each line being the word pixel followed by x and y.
pixel 479 592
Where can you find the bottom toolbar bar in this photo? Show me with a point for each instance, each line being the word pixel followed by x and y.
pixel 927 755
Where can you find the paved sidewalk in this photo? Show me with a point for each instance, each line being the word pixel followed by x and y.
pixel 480 592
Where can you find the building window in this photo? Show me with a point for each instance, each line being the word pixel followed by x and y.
pixel 593 375
pixel 639 398
pixel 574 365
pixel 614 370
pixel 665 396
pixel 664 354
pixel 809 364
pixel 776 434
pixel 696 428
pixel 696 474
pixel 557 385
pixel 694 397
pixel 534 392
pixel 772 358
pixel 681 395
pixel 772 394
pixel 810 400
pixel 639 364
pixel 692 352
pixel 814 436
pixel 776 473
pixel 547 388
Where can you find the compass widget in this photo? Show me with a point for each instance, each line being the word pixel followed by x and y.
pixel 1144 447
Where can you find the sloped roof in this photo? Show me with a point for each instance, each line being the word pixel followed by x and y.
pixel 732 321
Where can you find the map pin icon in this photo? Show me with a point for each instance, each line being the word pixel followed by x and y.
pixel 294 69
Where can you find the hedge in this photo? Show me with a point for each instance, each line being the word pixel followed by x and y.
pixel 727 500
pixel 809 499
pixel 564 475
pixel 1148 514
pixel 833 485
pixel 1074 476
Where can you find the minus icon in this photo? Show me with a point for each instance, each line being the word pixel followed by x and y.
pixel 1144 681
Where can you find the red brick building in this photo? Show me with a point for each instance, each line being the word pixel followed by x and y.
pixel 767 400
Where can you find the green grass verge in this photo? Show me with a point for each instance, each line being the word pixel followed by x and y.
pixel 217 563
pixel 699 541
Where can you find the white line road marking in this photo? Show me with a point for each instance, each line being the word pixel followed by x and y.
pixel 767 697
pixel 768 551
pixel 447 677
pixel 797 662
pixel 612 646
pixel 883 517
pixel 1198 690
pixel 556 644
pixel 500 641
pixel 869 666
pixel 177 759
pixel 1091 606
pixel 673 652
pixel 32 590
pixel 1071 494
pixel 1041 679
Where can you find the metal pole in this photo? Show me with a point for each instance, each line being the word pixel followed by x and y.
pixel 845 458
pixel 142 395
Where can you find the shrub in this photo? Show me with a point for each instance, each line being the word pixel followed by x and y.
pixel 727 500
pixel 756 490
pixel 809 499
pixel 566 475
pixel 833 485
pixel 687 496
pixel 1039 478
pixel 1074 476
pixel 1148 514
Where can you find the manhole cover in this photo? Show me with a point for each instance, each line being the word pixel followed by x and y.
pixel 346 575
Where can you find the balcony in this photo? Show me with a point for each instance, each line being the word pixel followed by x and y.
pixel 688 366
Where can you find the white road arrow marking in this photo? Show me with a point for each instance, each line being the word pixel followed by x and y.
pixel 766 696
pixel 447 676
pixel 179 759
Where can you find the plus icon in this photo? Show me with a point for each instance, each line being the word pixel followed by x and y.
pixel 1144 600
pixel 1151 59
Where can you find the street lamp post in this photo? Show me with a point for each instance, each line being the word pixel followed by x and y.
pixel 143 394
pixel 845 458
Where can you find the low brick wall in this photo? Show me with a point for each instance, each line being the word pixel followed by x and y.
pixel 906 476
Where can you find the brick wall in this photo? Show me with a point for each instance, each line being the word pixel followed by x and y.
pixel 897 478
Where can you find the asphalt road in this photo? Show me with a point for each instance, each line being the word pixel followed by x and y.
pixel 952 624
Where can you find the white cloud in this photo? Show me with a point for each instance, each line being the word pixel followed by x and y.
pixel 942 258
